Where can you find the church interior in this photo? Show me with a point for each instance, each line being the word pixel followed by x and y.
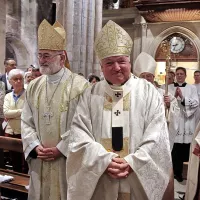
pixel 165 29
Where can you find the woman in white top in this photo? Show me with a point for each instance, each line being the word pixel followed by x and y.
pixel 12 108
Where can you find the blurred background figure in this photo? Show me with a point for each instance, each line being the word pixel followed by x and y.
pixel 171 79
pixel 27 78
pixel 36 73
pixel 197 85
pixel 29 69
pixel 12 108
pixel 80 74
pixel 9 64
pixel 93 79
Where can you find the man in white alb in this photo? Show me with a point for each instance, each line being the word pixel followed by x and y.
pixel 49 107
pixel 119 145
pixel 188 102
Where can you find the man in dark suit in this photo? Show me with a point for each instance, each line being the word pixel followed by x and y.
pixel 9 64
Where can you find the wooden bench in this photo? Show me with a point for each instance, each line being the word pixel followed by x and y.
pixel 20 180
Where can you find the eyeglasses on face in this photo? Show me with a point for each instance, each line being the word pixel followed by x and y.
pixel 46 56
pixel 17 79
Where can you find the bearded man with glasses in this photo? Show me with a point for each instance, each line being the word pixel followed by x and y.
pixel 49 107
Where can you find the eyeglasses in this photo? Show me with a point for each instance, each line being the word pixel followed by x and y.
pixel 17 79
pixel 47 57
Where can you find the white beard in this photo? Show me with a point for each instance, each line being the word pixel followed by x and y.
pixel 51 69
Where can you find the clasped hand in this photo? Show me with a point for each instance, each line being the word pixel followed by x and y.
pixel 118 168
pixel 178 93
pixel 47 154
pixel 167 100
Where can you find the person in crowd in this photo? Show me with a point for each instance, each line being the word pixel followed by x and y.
pixel 9 64
pixel 93 79
pixel 50 104
pixel 119 145
pixel 12 108
pixel 27 78
pixel 171 79
pixel 36 73
pixel 80 74
pixel 188 102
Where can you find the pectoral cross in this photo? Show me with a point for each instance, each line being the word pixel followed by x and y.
pixel 47 116
pixel 117 113
pixel 117 94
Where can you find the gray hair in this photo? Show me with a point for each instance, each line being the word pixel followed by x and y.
pixel 26 74
pixel 15 72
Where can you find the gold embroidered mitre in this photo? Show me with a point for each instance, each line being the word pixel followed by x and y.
pixel 113 40
pixel 51 37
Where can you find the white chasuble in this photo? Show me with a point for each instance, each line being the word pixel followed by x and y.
pixel 144 129
pixel 48 124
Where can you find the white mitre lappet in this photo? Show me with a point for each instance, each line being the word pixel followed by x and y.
pixel 144 63
pixel 113 40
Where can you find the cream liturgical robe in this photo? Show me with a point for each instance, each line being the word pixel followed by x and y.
pixel 49 128
pixel 145 143
pixel 186 124
pixel 193 169
pixel 197 114
pixel 172 116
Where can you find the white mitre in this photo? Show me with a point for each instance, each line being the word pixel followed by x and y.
pixel 144 63
pixel 113 40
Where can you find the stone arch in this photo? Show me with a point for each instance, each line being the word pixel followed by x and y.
pixel 175 29
pixel 22 55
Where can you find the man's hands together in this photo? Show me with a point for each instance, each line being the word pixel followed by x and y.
pixel 47 154
pixel 118 168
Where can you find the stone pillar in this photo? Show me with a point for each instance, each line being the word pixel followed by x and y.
pixel 81 19
pixel 29 32
pixel 2 33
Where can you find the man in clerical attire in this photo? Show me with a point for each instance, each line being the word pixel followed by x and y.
pixel 188 102
pixel 145 67
pixel 119 146
pixel 49 107
pixel 197 84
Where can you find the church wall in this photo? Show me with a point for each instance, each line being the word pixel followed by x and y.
pixel 2 33
pixel 152 34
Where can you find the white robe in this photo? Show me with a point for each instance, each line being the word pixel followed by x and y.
pixel 48 179
pixel 172 116
pixel 197 113
pixel 193 169
pixel 186 124
pixel 149 150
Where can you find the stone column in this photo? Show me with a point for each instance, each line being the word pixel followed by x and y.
pixel 2 33
pixel 81 19
pixel 29 31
